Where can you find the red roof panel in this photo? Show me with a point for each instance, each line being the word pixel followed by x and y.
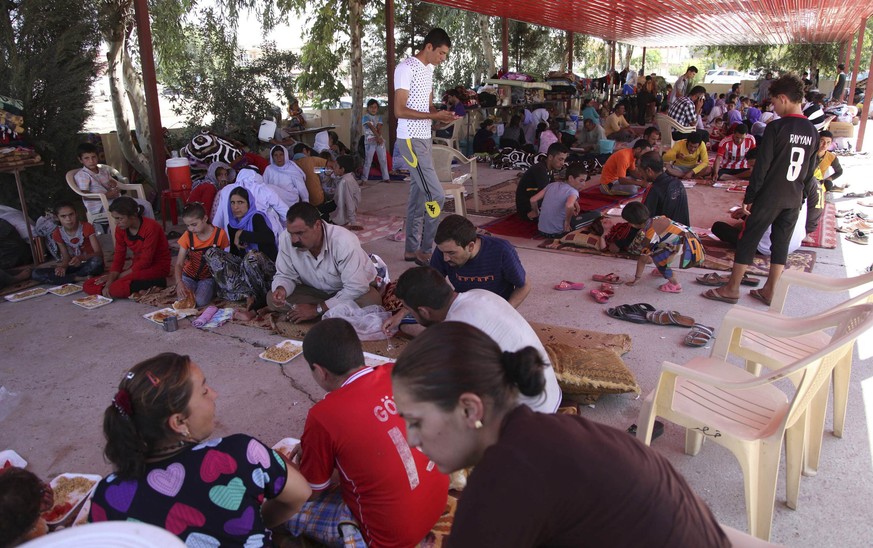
pixel 663 23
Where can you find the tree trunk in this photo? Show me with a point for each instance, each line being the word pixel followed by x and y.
pixel 356 28
pixel 487 49
pixel 628 53
pixel 114 57
pixel 133 86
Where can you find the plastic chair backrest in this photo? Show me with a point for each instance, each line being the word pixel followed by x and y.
pixel 442 157
pixel 820 283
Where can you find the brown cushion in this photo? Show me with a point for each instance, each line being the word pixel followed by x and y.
pixel 590 370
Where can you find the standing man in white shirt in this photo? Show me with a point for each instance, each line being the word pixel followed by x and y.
pixel 413 107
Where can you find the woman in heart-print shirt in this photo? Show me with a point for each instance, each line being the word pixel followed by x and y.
pixel 169 471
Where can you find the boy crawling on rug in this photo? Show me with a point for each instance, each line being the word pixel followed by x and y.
pixel 560 212
pixel 662 240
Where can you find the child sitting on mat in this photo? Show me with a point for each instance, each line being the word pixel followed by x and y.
pixel 560 212
pixel 193 277
pixel 661 240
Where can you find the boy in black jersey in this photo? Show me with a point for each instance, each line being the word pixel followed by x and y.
pixel 784 168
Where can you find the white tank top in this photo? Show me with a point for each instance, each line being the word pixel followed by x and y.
pixel 415 76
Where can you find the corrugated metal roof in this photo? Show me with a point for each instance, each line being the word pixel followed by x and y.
pixel 663 23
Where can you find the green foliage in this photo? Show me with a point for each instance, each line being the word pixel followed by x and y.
pixel 209 78
pixel 50 61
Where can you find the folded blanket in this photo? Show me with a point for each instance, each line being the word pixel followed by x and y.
pixel 204 318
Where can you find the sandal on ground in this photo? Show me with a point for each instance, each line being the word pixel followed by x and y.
pixel 700 335
pixel 757 294
pixel 714 295
pixel 569 286
pixel 608 289
pixel 855 195
pixel 626 313
pixel 715 279
pixel 859 237
pixel 641 308
pixel 600 296
pixel 657 430
pixel 669 317
pixel 670 287
pixel 611 278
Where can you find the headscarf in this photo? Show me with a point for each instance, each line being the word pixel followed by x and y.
pixel 289 167
pixel 210 176
pixel 246 222
pixel 322 142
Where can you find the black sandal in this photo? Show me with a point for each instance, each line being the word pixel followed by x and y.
pixel 657 430
pixel 626 313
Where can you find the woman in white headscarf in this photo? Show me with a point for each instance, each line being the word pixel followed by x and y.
pixel 264 197
pixel 322 142
pixel 285 177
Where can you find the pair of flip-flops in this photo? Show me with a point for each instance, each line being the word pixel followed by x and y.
pixel 669 317
pixel 700 335
pixel 634 313
pixel 604 293
pixel 715 279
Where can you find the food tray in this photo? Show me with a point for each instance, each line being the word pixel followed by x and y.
pixel 13 458
pixel 287 344
pixel 92 301
pixel 72 497
pixel 64 290
pixel 373 360
pixel 158 316
pixel 26 294
pixel 82 516
pixel 285 445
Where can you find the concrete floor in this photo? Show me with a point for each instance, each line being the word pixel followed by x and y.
pixel 64 364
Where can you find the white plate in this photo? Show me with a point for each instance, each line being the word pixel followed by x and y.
pixel 71 289
pixel 287 343
pixel 75 497
pixel 373 360
pixel 26 294
pixel 286 444
pixel 82 516
pixel 109 534
pixel 13 458
pixel 179 314
pixel 615 212
pixel 92 301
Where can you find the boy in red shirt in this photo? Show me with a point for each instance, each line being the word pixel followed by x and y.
pixel 392 493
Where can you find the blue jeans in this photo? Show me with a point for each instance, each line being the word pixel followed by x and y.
pixel 204 290
pixel 379 151
pixel 424 186
pixel 91 267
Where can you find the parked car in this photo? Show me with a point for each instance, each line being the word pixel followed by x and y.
pixel 726 76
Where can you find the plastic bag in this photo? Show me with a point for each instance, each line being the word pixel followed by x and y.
pixel 366 321
pixel 8 402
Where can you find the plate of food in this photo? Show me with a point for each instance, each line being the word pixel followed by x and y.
pixel 283 352
pixel 64 290
pixel 160 315
pixel 26 294
pixel 92 301
pixel 375 360
pixel 10 458
pixel 69 491
pixel 286 445
pixel 187 304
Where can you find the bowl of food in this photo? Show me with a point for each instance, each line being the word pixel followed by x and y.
pixel 69 491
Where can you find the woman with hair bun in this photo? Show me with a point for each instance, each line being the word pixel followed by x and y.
pixel 151 254
pixel 171 473
pixel 539 479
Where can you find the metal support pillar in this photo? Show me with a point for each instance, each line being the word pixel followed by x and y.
pixel 857 59
pixel 150 83
pixel 390 61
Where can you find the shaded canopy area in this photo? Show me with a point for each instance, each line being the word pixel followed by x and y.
pixel 663 23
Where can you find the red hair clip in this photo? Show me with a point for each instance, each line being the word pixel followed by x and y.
pixel 154 380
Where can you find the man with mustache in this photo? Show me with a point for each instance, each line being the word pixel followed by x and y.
pixel 318 267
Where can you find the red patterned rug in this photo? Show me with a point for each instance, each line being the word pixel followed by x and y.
pixel 511 225
pixel 826 234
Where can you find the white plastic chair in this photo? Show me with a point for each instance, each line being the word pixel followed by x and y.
pixel 442 163
pixel 452 141
pixel 748 414
pixel 104 216
pixel 760 349
pixel 666 125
